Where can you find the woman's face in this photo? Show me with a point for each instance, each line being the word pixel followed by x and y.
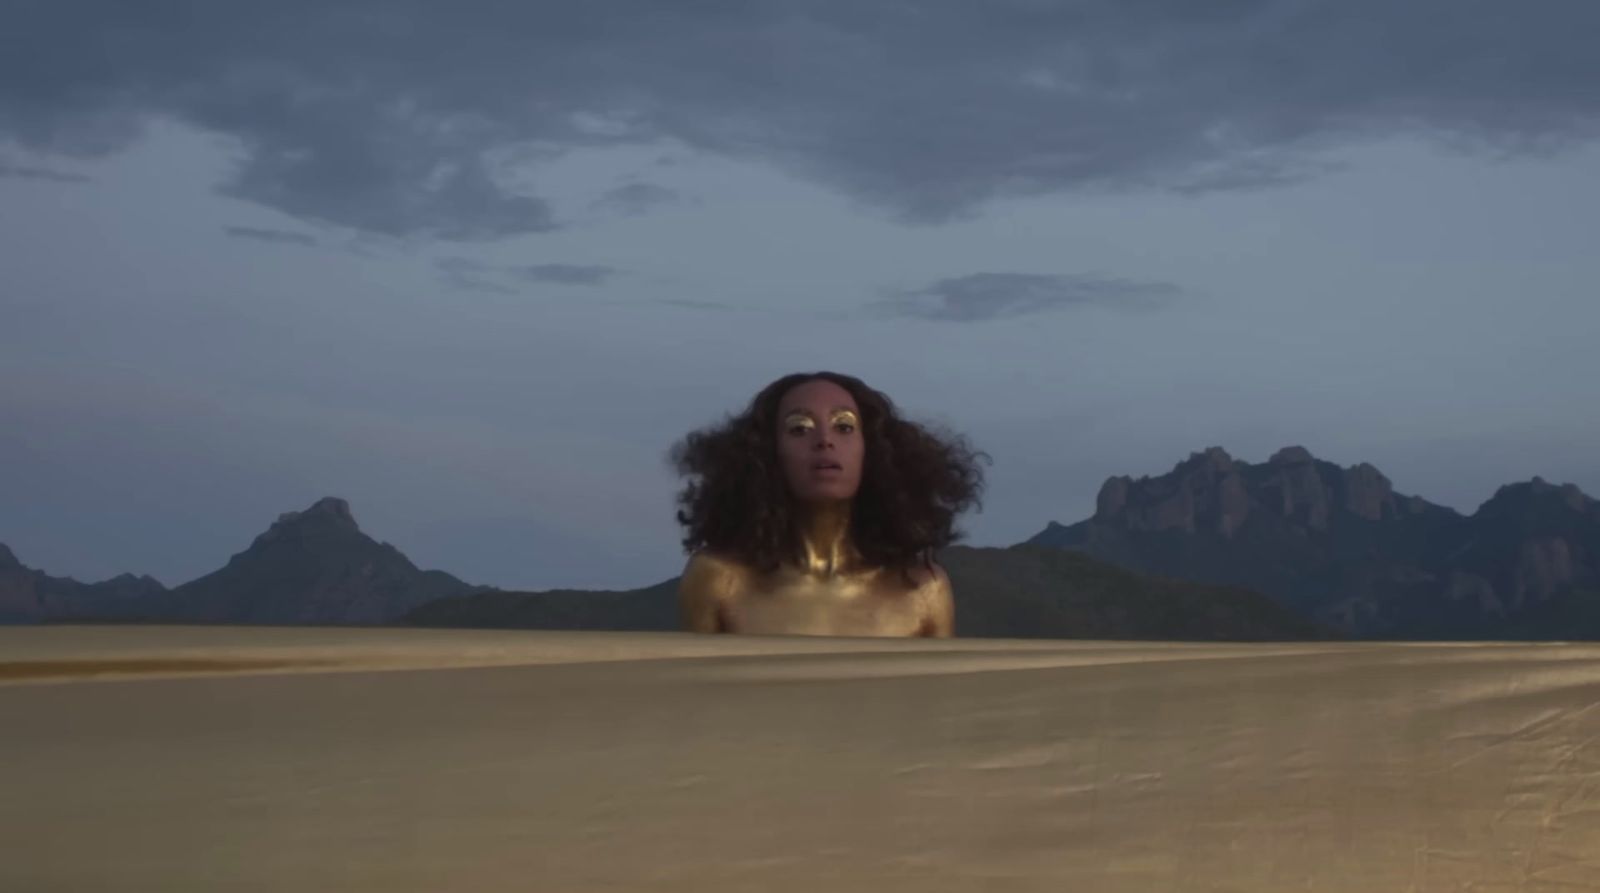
pixel 819 442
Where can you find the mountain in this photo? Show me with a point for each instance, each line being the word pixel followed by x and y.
pixel 1217 548
pixel 1340 546
pixel 309 567
pixel 1028 591
pixel 28 595
pixel 317 567
pixel 312 566
pixel 652 608
pixel 1020 592
pixel 1574 614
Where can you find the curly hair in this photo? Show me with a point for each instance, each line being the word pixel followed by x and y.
pixel 914 483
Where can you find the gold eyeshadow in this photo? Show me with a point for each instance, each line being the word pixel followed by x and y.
pixel 803 418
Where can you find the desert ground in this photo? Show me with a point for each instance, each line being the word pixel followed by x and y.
pixel 271 759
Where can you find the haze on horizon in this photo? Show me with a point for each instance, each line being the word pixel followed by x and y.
pixel 474 267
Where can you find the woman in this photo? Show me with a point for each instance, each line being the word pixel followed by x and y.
pixel 817 512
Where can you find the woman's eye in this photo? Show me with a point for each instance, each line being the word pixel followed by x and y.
pixel 799 429
pixel 845 427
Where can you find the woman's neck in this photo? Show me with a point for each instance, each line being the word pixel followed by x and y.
pixel 824 532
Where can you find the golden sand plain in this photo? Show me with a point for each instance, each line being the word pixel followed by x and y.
pixel 207 759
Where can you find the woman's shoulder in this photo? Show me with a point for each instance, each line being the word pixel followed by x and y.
pixel 929 574
pixel 935 599
pixel 714 570
pixel 711 581
pixel 718 559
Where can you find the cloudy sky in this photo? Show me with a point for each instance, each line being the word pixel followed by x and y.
pixel 474 266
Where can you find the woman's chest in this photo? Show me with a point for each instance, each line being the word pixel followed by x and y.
pixel 840 607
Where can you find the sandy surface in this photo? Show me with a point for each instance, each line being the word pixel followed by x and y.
pixel 196 759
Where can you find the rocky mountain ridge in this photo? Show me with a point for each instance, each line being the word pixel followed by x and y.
pixel 310 566
pixel 1341 546
pixel 1328 547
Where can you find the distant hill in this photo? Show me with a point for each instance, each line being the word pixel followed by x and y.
pixel 1340 546
pixel 1028 591
pixel 312 566
pixel 651 608
pixel 309 567
pixel 1292 548
pixel 1573 615
pixel 28 595
pixel 1020 592
pixel 317 567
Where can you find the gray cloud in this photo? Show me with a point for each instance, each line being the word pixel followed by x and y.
pixel 563 274
pixel 984 296
pixel 397 117
pixel 470 275
pixel 636 198
pixel 276 236
pixel 475 275
pixel 22 172
pixel 697 305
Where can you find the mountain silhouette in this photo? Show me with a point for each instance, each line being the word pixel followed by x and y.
pixel 1338 545
pixel 1217 548
pixel 28 595
pixel 309 567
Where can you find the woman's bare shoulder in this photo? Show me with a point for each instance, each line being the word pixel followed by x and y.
pixel 930 575
pixel 712 572
pixel 938 601
pixel 711 581
pixel 717 560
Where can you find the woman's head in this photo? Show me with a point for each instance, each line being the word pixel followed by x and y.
pixel 819 442
pixel 754 474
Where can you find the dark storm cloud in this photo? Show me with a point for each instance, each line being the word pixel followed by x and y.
pixel 984 296
pixel 394 117
pixel 636 198
pixel 39 173
pixel 276 236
